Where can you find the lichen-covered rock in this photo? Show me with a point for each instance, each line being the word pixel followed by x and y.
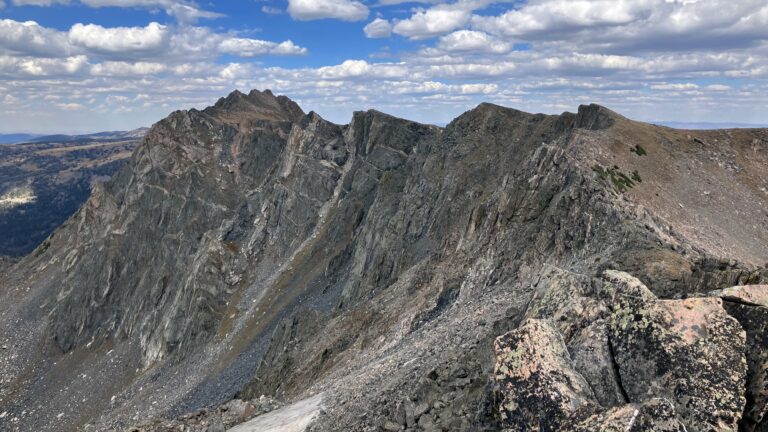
pixel 563 297
pixel 591 354
pixel 618 285
pixel 540 388
pixel 656 415
pixel 749 305
pixel 633 362
pixel 690 351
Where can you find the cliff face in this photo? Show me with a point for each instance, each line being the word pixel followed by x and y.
pixel 252 249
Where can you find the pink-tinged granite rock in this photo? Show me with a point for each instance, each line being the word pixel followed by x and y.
pixel 688 351
pixel 754 295
pixel 618 285
pixel 563 297
pixel 608 355
pixel 655 415
pixel 539 388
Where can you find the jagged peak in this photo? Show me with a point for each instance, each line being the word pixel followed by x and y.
pixel 492 107
pixel 256 105
pixel 592 116
pixel 372 113
pixel 595 117
pixel 379 116
pixel 370 127
pixel 486 110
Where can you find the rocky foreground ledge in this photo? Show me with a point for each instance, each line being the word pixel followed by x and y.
pixel 608 355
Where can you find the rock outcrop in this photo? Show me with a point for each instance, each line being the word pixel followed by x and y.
pixel 250 248
pixel 749 305
pixel 623 358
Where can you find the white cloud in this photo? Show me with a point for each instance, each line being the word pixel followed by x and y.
pixel 656 59
pixel 361 68
pixel 30 38
pixel 675 86
pixel 563 16
pixel 71 106
pixel 184 11
pixel 94 37
pixel 473 41
pixel 124 69
pixel 234 70
pixel 36 67
pixel 395 2
pixel 378 28
pixel 346 10
pixel 271 10
pixel 38 2
pixel 180 9
pixel 433 22
pixel 634 25
pixel 151 43
pixel 253 47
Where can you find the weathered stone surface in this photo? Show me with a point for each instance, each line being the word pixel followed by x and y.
pixel 592 357
pixel 563 297
pixel 541 389
pixel 618 286
pixel 754 295
pixel 688 351
pixel 216 419
pixel 656 415
pixel 649 364
pixel 749 305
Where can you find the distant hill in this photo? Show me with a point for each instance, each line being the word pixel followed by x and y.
pixel 99 136
pixel 17 137
pixel 21 138
pixel 710 125
pixel 44 181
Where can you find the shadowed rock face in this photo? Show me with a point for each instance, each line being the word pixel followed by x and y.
pixel 252 249
pixel 749 305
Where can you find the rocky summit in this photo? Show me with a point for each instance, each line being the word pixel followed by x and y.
pixel 256 268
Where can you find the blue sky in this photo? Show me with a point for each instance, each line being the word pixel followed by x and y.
pixel 90 65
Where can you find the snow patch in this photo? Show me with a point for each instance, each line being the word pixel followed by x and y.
pixel 17 196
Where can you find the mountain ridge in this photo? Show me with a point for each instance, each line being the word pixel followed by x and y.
pixel 250 249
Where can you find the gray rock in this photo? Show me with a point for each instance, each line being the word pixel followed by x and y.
pixel 590 351
pixel 749 305
pixel 689 351
pixel 217 426
pixel 540 387
pixel 656 415
pixel 392 426
pixel 636 362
